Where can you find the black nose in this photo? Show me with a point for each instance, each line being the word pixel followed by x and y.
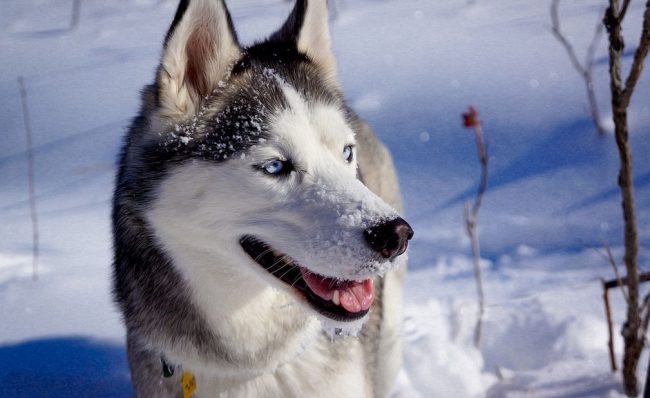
pixel 390 238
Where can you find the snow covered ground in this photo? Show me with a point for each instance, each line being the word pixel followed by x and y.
pixel 410 67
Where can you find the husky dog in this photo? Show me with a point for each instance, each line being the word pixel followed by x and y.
pixel 254 221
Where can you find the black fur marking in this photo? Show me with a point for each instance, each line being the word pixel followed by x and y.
pixel 167 369
pixel 178 16
pixel 270 53
pixel 180 11
pixel 290 31
pixel 137 258
pixel 252 94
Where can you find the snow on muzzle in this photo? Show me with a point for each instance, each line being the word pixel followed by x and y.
pixel 337 299
pixel 340 300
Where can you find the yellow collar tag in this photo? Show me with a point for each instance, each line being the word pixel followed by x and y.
pixel 188 382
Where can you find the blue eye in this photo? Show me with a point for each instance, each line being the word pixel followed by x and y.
pixel 277 167
pixel 348 153
pixel 273 167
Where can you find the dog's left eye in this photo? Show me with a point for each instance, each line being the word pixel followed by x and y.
pixel 276 167
pixel 348 153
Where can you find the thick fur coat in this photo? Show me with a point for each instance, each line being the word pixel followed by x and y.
pixel 237 145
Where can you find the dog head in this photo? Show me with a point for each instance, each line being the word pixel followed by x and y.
pixel 259 157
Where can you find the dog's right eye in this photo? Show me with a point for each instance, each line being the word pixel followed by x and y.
pixel 276 167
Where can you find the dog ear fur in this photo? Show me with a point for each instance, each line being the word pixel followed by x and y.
pixel 200 46
pixel 308 27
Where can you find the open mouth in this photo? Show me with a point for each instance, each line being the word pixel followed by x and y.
pixel 340 300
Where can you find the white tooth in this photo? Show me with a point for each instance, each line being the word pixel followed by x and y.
pixel 336 300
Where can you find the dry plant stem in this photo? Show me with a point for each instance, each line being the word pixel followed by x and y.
pixel 639 56
pixel 614 265
pixel 30 177
pixel 643 277
pixel 626 4
pixel 471 216
pixel 584 69
pixel 621 96
pixel 645 311
pixel 75 15
pixel 610 328
pixel 645 316
pixel 470 225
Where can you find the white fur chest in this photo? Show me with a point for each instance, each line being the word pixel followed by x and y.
pixel 324 369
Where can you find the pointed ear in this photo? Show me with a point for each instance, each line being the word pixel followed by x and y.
pixel 308 28
pixel 200 46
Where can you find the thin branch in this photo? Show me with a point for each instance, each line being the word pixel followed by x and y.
pixel 621 15
pixel 30 177
pixel 639 56
pixel 612 262
pixel 75 15
pixel 585 70
pixel 620 99
pixel 470 227
pixel 470 120
pixel 644 312
pixel 593 46
pixel 589 80
pixel 645 316
pixel 481 148
pixel 557 32
pixel 612 283
pixel 610 327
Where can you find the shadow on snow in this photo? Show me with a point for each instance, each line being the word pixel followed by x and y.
pixel 572 144
pixel 64 367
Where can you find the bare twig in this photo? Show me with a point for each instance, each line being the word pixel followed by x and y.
pixel 30 177
pixel 471 120
pixel 75 15
pixel 555 19
pixel 612 283
pixel 584 69
pixel 626 4
pixel 621 95
pixel 645 316
pixel 639 56
pixel 593 46
pixel 644 311
pixel 612 262
pixel 610 328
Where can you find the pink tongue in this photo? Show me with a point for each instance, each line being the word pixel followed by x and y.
pixel 354 296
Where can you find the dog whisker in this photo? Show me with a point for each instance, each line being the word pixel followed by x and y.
pixel 279 260
pixel 264 253
pixel 298 278
pixel 289 270
pixel 284 263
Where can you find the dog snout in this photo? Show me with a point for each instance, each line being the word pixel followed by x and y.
pixel 390 238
